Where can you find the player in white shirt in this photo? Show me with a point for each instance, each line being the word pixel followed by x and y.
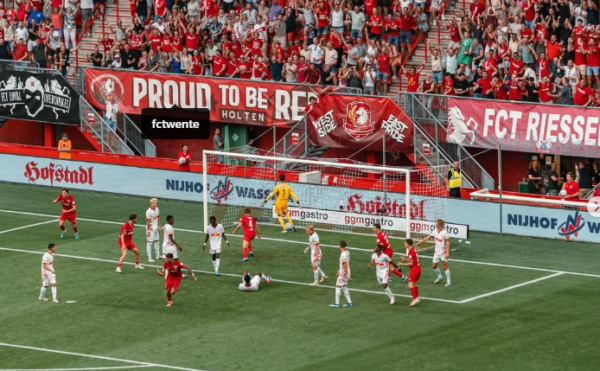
pixel 382 262
pixel 216 233
pixel 315 255
pixel 343 277
pixel 250 283
pixel 442 250
pixel 152 228
pixel 48 274
pixel 170 246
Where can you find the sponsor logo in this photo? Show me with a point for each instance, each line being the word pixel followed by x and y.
pixel 593 207
pixel 571 226
pixel 394 128
pixel 543 146
pixel 58 173
pixel 324 124
pixel 358 204
pixel 104 86
pixel 568 229
pixel 35 96
pixel 222 191
pixel 358 122
pixel 458 129
pixel 184 186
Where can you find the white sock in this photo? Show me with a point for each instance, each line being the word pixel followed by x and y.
pixel 437 271
pixel 149 249
pixel 388 291
pixel 42 292
pixel 316 274
pixel 447 271
pixel 337 295
pixel 53 292
pixel 157 249
pixel 347 294
pixel 321 271
pixel 217 263
pixel 263 277
pixel 214 265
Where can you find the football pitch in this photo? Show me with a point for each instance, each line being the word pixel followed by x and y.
pixel 515 303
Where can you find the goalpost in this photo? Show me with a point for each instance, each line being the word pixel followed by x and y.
pixel 337 195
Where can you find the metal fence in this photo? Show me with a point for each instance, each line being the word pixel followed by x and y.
pixel 9 64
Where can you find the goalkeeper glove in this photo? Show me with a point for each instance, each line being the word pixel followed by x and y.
pixel 263 203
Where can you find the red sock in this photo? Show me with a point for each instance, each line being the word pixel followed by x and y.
pixel 169 295
pixel 250 247
pixel 75 229
pixel 119 265
pixel 245 253
pixel 414 292
pixel 397 273
pixel 137 261
pixel 62 228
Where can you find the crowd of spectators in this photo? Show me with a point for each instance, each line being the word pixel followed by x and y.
pixel 560 182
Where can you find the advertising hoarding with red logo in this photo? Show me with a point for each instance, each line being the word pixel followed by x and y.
pixel 232 101
pixel 360 122
pixel 570 131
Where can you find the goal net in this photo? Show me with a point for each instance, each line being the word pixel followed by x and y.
pixel 337 195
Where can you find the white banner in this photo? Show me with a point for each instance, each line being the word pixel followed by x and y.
pixel 358 220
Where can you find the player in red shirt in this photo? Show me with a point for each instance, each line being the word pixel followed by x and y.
pixel 384 240
pixel 125 243
pixel 415 270
pixel 68 212
pixel 174 276
pixel 250 232
pixel 187 155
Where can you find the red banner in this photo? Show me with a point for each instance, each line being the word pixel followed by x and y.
pixel 524 127
pixel 360 122
pixel 229 100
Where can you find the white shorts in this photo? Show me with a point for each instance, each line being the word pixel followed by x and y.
pixel 215 251
pixel 437 258
pixel 48 279
pixel 315 261
pixel 383 279
pixel 341 281
pixel 152 236
pixel 170 249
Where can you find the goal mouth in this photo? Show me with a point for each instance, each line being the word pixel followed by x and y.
pixel 342 196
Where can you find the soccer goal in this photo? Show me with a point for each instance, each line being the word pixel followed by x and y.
pixel 335 194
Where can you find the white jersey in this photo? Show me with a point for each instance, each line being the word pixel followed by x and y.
pixel 441 241
pixel 383 264
pixel 315 249
pixel 254 284
pixel 344 258
pixel 47 259
pixel 168 232
pixel 216 236
pixel 152 216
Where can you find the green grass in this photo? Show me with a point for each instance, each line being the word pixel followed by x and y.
pixel 547 325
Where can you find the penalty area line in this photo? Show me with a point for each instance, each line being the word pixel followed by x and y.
pixel 77 369
pixel 28 226
pixel 105 358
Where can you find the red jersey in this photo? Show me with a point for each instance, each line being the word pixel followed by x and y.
pixel 236 48
pixel 322 19
pixel 108 44
pixel 248 222
pixel 500 91
pixel 191 40
pixel 449 86
pixel 514 91
pixel 135 42
pixel 375 22
pixel 383 239
pixel 188 157
pixel 161 7
pixel 383 64
pixel 454 34
pixel 218 64
pixel 67 202
pixel 369 6
pixel 394 27
pixel 174 270
pixel 412 256
pixel 593 58
pixel 156 41
pixel 516 66
pixel 544 92
pixel 544 66
pixel 126 232
pixel 413 82
pixel 582 95
pixel 571 188
pixel 579 57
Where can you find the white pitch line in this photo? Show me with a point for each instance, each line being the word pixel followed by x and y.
pixel 76 369
pixel 28 226
pixel 222 274
pixel 145 364
pixel 335 246
pixel 510 288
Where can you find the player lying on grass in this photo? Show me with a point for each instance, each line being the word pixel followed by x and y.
pixel 442 250
pixel 48 274
pixel 415 270
pixel 315 255
pixel 173 268
pixel 68 212
pixel 383 261
pixel 216 233
pixel 125 243
pixel 343 277
pixel 250 283
pixel 250 232
pixel 283 192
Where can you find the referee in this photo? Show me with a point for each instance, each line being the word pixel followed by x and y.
pixel 454 181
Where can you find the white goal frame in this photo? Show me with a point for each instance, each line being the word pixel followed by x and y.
pixel 404 171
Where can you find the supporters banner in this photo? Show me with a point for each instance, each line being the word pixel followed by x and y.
pixel 360 123
pixel 229 100
pixel 519 127
pixel 28 96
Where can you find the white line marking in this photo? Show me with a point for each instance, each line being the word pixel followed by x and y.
pixel 29 226
pixel 335 246
pixel 76 369
pixel 222 274
pixel 145 364
pixel 510 288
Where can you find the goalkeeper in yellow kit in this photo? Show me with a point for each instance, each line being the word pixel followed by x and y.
pixel 283 192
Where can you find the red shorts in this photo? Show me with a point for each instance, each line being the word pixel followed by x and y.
pixel 389 253
pixel 128 245
pixel 71 217
pixel 249 237
pixel 172 284
pixel 414 274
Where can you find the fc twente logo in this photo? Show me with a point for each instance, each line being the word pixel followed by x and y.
pixel 35 96
pixel 104 86
pixel 358 122
pixel 458 129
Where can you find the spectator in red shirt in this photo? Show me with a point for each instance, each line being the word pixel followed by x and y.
pixel 583 95
pixel 184 154
pixel 20 52
pixel 544 90
pixel 571 187
pixel 593 62
pixel 449 85
pixel 412 76
pixel 383 68
pixel 219 64
pixel 314 75
pixel 375 23
pixel 406 32
pixel 516 89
